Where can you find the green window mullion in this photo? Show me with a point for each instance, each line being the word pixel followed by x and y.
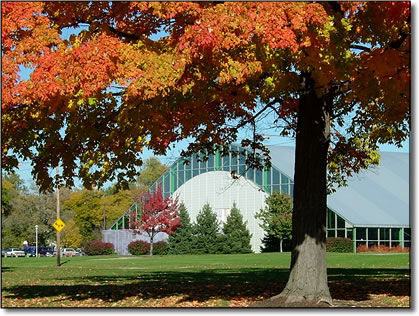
pixel 265 179
pixel 172 179
pixel 217 160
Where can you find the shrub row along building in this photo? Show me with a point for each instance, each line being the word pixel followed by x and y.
pixel 372 210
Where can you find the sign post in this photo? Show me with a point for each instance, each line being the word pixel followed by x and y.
pixel 36 241
pixel 58 218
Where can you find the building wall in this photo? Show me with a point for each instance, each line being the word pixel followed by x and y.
pixel 219 190
pixel 121 239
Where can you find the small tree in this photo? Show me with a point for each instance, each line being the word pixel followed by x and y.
pixel 158 215
pixel 207 231
pixel 182 241
pixel 277 217
pixel 237 236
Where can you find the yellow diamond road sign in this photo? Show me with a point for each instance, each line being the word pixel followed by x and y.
pixel 59 225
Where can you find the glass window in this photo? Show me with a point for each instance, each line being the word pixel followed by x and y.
pixel 395 233
pixel 259 177
pixel 349 233
pixel 340 222
pixel 234 161
pixel 284 179
pixel 361 233
pixel 275 187
pixel 211 163
pixel 251 174
pixel 330 219
pixel 166 181
pixel 242 158
pixel 340 233
pixel 292 190
pixel 181 165
pixel 372 233
pixel 160 183
pixel 195 162
pixel 395 244
pixel 181 178
pixel 226 163
pixel 384 234
pixel 242 170
pixel 285 189
pixel 331 233
pixel 407 234
pixel 276 179
pixel 407 244
pixel 372 243
pixel 203 164
pixel 385 243
pixel 268 174
pixel 195 172
pixel 188 174
pixel 174 182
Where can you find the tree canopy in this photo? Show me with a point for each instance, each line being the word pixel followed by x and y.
pixel 94 100
pixel 336 75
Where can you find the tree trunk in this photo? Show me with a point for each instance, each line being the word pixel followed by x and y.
pixel 151 245
pixel 280 245
pixel 307 282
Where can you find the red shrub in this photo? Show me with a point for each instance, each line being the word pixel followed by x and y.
pixel 98 247
pixel 381 248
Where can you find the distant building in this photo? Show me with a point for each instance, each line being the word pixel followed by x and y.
pixel 372 210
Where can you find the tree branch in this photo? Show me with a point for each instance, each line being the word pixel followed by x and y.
pixel 360 47
pixel 252 119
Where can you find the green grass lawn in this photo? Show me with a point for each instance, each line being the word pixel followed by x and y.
pixel 193 280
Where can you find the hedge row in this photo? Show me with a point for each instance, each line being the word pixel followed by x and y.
pixel 381 248
pixel 339 244
pixel 140 247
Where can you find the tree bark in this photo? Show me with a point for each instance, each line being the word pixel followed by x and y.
pixel 307 282
pixel 151 244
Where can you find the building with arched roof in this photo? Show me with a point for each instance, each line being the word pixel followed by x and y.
pixel 372 210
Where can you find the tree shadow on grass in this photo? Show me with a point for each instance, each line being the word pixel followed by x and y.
pixel 226 284
pixel 192 286
pixel 359 284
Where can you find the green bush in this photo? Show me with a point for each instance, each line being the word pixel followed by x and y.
pixel 140 247
pixel 98 247
pixel 339 244
pixel 160 248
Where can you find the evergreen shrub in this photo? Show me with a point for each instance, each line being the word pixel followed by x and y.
pixel 236 238
pixel 98 247
pixel 339 244
pixel 160 248
pixel 183 240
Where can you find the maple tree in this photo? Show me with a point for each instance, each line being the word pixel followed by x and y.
pixel 336 75
pixel 158 214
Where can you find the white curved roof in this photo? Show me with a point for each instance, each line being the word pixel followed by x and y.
pixel 375 197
